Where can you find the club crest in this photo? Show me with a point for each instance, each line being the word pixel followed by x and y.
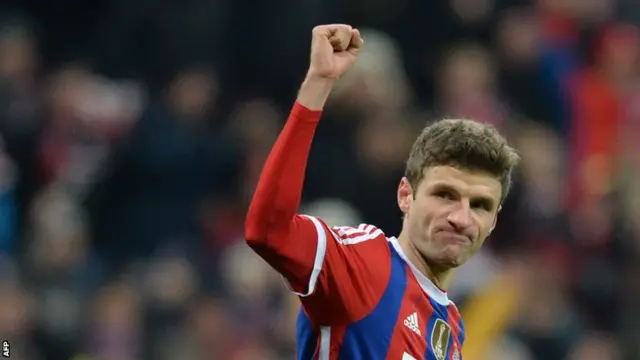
pixel 456 352
pixel 440 339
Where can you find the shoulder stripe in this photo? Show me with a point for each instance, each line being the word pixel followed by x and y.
pixel 361 238
pixel 347 235
pixel 346 231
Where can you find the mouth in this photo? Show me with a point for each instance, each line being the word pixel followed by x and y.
pixel 455 237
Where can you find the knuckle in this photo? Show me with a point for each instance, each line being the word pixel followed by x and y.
pixel 320 29
pixel 345 32
pixel 338 29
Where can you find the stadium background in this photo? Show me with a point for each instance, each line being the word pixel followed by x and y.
pixel 133 132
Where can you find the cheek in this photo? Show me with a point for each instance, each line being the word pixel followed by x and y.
pixel 484 230
pixel 482 223
pixel 424 215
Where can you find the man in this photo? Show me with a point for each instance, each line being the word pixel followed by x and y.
pixel 366 296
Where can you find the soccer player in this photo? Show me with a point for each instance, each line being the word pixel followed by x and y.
pixel 365 295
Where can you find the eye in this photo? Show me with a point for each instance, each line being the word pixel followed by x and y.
pixel 481 205
pixel 445 195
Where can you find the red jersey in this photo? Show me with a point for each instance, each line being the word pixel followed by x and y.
pixel 361 297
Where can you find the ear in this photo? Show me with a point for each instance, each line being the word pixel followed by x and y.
pixel 405 196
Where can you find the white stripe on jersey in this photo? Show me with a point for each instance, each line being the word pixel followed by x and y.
pixel 325 343
pixel 350 236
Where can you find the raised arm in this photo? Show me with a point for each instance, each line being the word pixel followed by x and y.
pixel 273 229
pixel 304 249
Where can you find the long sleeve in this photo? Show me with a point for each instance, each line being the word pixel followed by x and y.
pixel 343 269
pixel 271 218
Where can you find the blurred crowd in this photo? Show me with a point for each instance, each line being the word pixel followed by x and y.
pixel 132 134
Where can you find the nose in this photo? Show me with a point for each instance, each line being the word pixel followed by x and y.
pixel 460 218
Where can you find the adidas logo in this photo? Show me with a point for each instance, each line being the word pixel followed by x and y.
pixel 412 323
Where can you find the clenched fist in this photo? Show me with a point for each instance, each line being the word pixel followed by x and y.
pixel 333 50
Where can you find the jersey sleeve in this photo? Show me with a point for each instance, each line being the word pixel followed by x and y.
pixel 350 271
pixel 339 273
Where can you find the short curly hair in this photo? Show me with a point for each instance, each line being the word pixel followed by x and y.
pixel 464 144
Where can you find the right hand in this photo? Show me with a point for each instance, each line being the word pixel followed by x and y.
pixel 334 49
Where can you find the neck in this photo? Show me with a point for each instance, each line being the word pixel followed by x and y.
pixel 439 276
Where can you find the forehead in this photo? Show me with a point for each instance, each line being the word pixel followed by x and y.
pixel 473 183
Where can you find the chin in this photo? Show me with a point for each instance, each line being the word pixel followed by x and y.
pixel 450 261
pixel 445 257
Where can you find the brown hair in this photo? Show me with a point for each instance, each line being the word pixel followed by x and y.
pixel 465 144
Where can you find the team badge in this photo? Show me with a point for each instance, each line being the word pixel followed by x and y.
pixel 456 353
pixel 440 339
